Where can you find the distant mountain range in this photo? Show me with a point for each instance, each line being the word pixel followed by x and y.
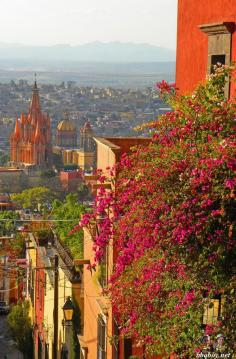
pixel 113 52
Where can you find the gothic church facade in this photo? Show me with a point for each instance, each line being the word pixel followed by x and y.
pixel 30 142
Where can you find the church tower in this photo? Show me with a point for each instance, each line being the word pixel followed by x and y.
pixel 30 142
pixel 86 138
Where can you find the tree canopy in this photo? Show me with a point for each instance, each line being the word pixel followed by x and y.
pixel 4 158
pixel 21 328
pixel 34 198
pixel 72 211
pixel 8 222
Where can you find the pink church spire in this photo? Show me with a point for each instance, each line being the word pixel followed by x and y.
pixel 35 103
pixel 31 139
pixel 17 133
pixel 37 137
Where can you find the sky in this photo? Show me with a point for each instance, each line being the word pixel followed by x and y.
pixel 75 22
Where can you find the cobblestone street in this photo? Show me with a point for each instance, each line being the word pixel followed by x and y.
pixel 7 345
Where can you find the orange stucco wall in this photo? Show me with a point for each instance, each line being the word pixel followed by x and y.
pixel 108 152
pixel 126 143
pixel 192 43
pixel 94 305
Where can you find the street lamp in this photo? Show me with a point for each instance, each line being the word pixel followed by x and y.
pixel 68 309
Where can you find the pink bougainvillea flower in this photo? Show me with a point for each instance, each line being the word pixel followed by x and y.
pixel 230 183
pixel 164 87
pixel 170 221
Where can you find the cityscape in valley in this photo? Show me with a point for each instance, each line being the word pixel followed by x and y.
pixel 110 111
pixel 117 195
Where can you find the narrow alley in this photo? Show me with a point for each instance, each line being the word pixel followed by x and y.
pixel 8 348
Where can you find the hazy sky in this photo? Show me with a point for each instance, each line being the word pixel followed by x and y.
pixel 48 22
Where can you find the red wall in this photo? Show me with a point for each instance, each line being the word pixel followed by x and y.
pixel 192 43
pixel 39 300
pixel 70 175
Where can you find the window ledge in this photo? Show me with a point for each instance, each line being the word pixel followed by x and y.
pixel 218 28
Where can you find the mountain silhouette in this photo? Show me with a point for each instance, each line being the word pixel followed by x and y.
pixel 90 52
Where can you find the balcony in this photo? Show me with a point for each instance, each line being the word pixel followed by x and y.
pixel 68 260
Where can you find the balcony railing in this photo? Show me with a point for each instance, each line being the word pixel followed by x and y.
pixel 67 259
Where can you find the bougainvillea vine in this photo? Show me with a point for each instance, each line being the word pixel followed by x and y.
pixel 171 217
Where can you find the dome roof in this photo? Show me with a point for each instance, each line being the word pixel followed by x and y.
pixel 66 125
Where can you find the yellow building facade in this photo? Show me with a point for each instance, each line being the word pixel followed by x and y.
pixel 41 296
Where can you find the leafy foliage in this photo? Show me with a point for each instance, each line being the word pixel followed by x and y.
pixel 174 224
pixel 18 245
pixel 72 211
pixel 4 158
pixel 34 198
pixel 21 329
pixel 8 225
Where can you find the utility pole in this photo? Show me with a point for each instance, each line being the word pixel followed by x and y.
pixel 55 312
